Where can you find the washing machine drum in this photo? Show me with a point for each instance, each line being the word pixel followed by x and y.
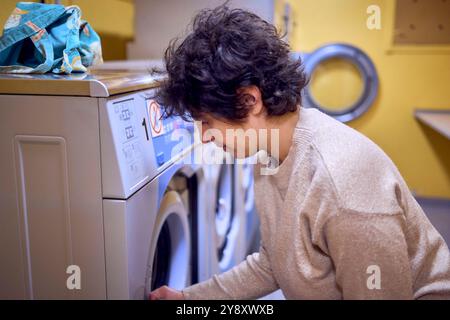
pixel 170 249
pixel 224 208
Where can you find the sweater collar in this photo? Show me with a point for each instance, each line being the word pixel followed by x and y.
pixel 280 173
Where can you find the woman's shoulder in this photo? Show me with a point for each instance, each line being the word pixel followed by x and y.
pixel 361 173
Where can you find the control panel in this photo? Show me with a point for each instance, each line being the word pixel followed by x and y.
pixel 138 143
pixel 129 142
pixel 170 136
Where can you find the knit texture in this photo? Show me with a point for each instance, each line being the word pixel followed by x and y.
pixel 337 222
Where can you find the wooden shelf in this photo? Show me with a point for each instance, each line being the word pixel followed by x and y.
pixel 438 120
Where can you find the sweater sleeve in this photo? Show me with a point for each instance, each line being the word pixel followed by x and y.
pixel 370 255
pixel 250 279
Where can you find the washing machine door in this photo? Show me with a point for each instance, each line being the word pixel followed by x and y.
pixel 170 249
pixel 247 185
pixel 252 219
pixel 224 213
pixel 347 57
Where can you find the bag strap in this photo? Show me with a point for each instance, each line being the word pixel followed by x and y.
pixel 71 57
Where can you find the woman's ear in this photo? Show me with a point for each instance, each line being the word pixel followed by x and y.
pixel 250 97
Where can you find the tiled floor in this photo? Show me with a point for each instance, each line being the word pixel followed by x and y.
pixel 437 210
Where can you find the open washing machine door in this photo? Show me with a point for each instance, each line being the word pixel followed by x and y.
pixel 223 208
pixel 229 222
pixel 247 185
pixel 170 250
pixel 251 216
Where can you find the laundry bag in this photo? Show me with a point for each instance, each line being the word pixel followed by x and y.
pixel 39 38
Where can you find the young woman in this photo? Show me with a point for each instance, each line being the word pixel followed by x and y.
pixel 337 219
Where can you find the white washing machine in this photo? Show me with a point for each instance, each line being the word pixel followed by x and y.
pixel 90 182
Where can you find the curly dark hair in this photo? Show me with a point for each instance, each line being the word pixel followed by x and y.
pixel 226 50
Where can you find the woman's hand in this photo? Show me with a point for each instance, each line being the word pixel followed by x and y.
pixel 166 293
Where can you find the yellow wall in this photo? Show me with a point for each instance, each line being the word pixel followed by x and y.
pixel 111 19
pixel 407 81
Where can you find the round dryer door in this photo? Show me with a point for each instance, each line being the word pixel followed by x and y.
pixel 170 249
pixel 345 71
pixel 224 210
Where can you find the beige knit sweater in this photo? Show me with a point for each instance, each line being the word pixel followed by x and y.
pixel 337 222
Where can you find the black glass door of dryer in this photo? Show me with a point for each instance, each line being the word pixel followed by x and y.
pixel 161 260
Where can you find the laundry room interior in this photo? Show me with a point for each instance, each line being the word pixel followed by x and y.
pixel 102 196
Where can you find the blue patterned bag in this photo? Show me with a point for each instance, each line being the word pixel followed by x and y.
pixel 39 38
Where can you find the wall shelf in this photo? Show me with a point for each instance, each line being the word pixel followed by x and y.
pixel 438 120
